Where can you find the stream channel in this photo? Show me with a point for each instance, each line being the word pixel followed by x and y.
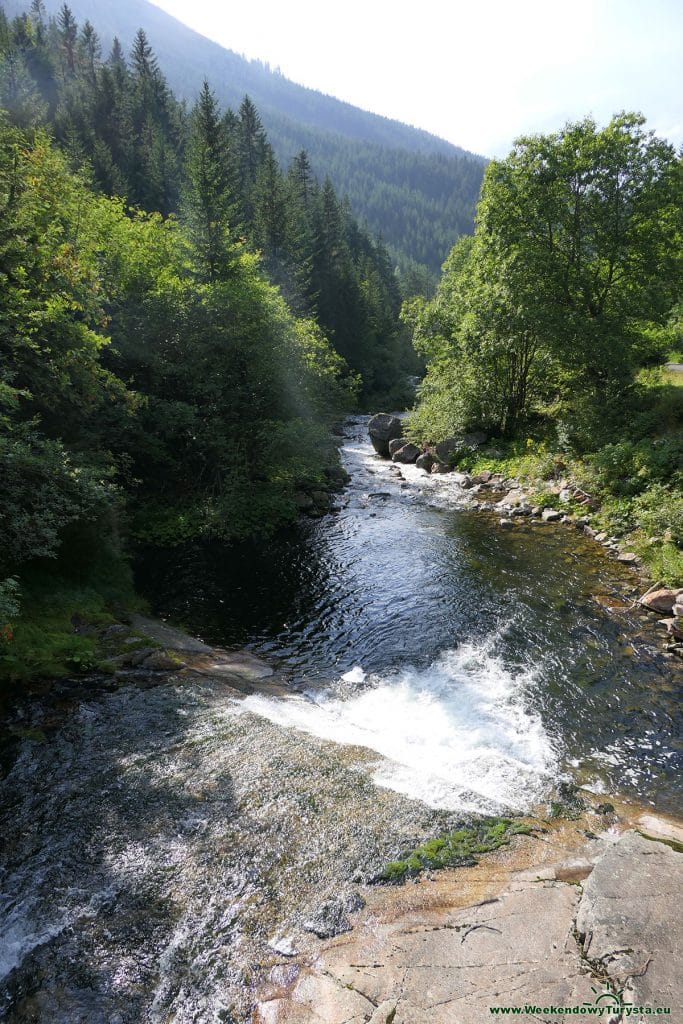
pixel 156 843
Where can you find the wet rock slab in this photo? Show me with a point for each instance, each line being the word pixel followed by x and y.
pixel 540 940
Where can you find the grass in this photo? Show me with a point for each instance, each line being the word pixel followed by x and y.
pixel 455 849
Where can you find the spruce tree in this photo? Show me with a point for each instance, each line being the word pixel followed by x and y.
pixel 208 206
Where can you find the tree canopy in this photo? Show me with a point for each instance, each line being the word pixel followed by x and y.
pixel 576 242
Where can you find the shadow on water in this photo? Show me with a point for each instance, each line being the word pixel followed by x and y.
pixel 156 840
pixel 103 820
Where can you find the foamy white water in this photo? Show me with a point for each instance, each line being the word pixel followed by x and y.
pixel 458 735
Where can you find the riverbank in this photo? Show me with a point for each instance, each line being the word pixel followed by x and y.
pixel 571 918
pixel 538 488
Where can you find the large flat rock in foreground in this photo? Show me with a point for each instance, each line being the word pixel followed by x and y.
pixel 631 920
pixel 539 942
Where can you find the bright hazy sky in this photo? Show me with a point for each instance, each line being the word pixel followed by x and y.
pixel 477 73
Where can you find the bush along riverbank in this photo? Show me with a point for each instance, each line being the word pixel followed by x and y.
pixel 518 482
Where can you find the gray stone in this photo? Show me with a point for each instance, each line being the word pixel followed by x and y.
pixel 303 501
pixel 463 479
pixel 440 467
pixel 514 497
pixel 458 445
pixel 284 946
pixel 628 558
pixel 161 662
pixel 383 428
pixel 629 919
pixel 321 499
pixel 425 461
pixel 395 444
pixel 551 515
pixel 506 524
pixel 168 636
pixel 330 919
pixel 407 454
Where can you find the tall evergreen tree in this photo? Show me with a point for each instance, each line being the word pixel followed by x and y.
pixel 208 203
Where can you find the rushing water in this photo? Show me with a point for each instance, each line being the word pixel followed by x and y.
pixel 472 658
pixel 154 841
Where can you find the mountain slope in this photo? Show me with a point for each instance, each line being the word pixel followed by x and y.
pixel 416 190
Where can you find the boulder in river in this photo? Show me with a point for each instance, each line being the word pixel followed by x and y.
pixel 407 454
pixel 514 497
pixel 440 467
pixel 463 479
pixel 425 461
pixel 383 428
pixel 395 444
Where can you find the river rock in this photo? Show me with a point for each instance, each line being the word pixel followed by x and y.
pixel 464 480
pixel 337 477
pixel 514 497
pixel 629 919
pixel 407 454
pixel 627 558
pixel 440 467
pixel 660 600
pixel 303 501
pixel 284 946
pixel 395 444
pixel 382 429
pixel 551 515
pixel 678 610
pixel 483 477
pixel 161 662
pixel 506 524
pixel 425 461
pixel 330 919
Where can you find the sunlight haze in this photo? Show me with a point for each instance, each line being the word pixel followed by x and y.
pixel 475 75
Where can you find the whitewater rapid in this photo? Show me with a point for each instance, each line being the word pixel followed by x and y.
pixel 458 735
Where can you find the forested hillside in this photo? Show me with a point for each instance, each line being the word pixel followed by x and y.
pixel 417 191
pixel 181 322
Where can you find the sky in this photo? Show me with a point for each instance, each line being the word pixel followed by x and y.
pixel 479 73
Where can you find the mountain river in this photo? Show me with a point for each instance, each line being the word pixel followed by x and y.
pixel 156 842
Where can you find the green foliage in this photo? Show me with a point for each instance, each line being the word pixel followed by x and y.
pixel 10 595
pixel 455 849
pixel 576 240
pixel 659 512
pixel 219 172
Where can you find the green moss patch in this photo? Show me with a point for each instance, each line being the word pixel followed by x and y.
pixel 455 849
